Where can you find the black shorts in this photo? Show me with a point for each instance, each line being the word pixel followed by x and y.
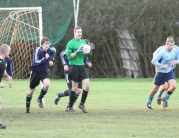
pixel 78 73
pixel 69 82
pixel 36 77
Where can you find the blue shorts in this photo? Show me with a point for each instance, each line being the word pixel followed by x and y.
pixel 161 78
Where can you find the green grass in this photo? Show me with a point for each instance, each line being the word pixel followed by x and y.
pixel 116 110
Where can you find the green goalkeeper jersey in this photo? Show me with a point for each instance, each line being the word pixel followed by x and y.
pixel 72 46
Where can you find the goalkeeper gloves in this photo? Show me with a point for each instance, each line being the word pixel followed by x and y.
pixel 92 46
pixel 80 49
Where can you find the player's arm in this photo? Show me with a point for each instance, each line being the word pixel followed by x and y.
pixel 8 78
pixel 176 60
pixel 64 60
pixel 52 55
pixel 9 67
pixel 80 49
pixel 156 59
pixel 87 62
pixel 63 57
pixel 69 51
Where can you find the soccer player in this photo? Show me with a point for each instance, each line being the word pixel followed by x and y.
pixel 4 52
pixel 164 87
pixel 65 63
pixel 42 58
pixel 164 61
pixel 77 69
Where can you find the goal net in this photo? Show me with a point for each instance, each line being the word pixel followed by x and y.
pixel 21 28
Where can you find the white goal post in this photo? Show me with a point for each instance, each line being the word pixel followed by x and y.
pixel 21 28
pixel 26 9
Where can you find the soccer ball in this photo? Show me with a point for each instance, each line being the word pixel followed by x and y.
pixel 86 49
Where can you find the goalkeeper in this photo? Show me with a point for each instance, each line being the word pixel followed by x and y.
pixel 78 73
pixel 65 63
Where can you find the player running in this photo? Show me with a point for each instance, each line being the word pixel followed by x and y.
pixel 42 58
pixel 165 86
pixel 164 61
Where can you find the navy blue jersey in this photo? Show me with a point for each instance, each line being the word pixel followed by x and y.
pixel 40 63
pixel 9 66
pixel 64 58
pixel 3 65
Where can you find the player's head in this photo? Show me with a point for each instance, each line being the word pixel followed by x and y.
pixel 45 43
pixel 170 42
pixel 77 32
pixel 5 50
pixel 170 39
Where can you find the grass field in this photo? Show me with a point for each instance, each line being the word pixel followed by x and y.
pixel 117 109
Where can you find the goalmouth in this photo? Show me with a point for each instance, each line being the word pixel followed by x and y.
pixel 21 28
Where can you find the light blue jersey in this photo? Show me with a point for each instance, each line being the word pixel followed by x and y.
pixel 163 47
pixel 165 57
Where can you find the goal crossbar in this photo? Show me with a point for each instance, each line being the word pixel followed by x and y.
pixel 21 28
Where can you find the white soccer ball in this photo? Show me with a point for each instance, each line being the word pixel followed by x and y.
pixel 86 49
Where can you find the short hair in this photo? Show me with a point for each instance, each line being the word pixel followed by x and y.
pixel 44 39
pixel 4 48
pixel 170 39
pixel 76 28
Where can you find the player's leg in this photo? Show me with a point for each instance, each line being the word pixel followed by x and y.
pixel 45 78
pixel 64 93
pixel 151 96
pixel 172 86
pixel 28 99
pixel 78 91
pixel 60 95
pixel 74 77
pixel 170 78
pixel 34 81
pixel 84 95
pixel 158 81
pixel 72 96
pixel 46 84
pixel 86 85
pixel 161 91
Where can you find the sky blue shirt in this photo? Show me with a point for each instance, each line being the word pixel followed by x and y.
pixel 165 57
pixel 162 47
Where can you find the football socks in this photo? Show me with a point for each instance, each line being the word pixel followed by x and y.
pixel 149 100
pixel 28 100
pixel 65 93
pixel 42 93
pixel 71 98
pixel 84 96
